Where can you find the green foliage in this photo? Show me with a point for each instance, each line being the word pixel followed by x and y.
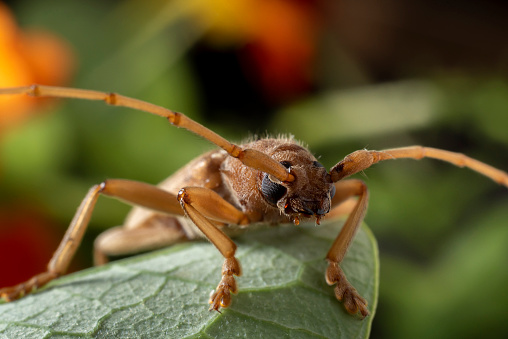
pixel 164 294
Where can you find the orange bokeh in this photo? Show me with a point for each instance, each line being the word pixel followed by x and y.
pixel 283 47
pixel 277 39
pixel 26 57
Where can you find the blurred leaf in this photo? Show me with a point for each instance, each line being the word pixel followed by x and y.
pixel 461 294
pixel 409 196
pixel 34 150
pixel 491 106
pixel 360 112
pixel 164 294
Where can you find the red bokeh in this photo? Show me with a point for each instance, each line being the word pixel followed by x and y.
pixel 27 242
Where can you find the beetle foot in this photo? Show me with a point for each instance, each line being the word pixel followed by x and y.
pixel 221 297
pixel 345 292
pixel 19 290
pixel 12 293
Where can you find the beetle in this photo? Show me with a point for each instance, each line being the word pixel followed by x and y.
pixel 270 180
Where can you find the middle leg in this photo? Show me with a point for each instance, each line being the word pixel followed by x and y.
pixel 132 192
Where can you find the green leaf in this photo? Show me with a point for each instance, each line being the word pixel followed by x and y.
pixel 164 294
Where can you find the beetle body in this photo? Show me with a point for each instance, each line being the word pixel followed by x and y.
pixel 242 187
pixel 272 180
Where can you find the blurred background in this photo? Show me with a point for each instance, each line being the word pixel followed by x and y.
pixel 339 75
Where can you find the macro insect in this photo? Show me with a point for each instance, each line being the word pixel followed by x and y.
pixel 271 180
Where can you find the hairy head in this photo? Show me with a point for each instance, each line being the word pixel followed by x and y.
pixel 309 195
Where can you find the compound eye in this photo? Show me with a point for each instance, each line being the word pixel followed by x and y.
pixel 332 192
pixel 272 191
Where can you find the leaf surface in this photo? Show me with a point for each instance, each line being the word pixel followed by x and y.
pixel 164 294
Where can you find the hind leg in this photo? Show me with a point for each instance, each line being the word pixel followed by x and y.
pixel 157 231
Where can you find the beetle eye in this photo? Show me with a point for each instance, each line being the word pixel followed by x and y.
pixel 332 192
pixel 272 191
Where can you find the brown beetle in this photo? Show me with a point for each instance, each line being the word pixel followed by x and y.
pixel 272 180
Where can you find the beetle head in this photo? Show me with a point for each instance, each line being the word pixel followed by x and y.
pixel 309 195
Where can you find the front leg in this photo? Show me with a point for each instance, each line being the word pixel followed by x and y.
pixel 221 297
pixel 344 291
pixel 200 205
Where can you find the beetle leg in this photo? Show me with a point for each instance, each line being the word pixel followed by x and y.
pixel 160 231
pixel 135 193
pixel 344 291
pixel 203 205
